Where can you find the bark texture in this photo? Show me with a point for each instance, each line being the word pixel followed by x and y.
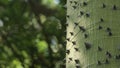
pixel 93 34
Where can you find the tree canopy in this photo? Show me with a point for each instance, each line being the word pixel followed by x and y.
pixel 32 33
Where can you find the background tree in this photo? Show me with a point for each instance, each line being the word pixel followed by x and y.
pixel 93 34
pixel 31 33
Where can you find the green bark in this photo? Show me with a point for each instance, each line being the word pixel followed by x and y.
pixel 93 34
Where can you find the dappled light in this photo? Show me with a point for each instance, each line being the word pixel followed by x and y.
pixel 32 33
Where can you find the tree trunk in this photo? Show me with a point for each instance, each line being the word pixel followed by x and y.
pixel 93 34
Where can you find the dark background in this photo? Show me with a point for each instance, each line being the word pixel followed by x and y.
pixel 32 33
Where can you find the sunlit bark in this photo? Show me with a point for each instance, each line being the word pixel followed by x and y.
pixel 93 34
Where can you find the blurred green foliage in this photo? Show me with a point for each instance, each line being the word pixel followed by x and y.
pixel 32 33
